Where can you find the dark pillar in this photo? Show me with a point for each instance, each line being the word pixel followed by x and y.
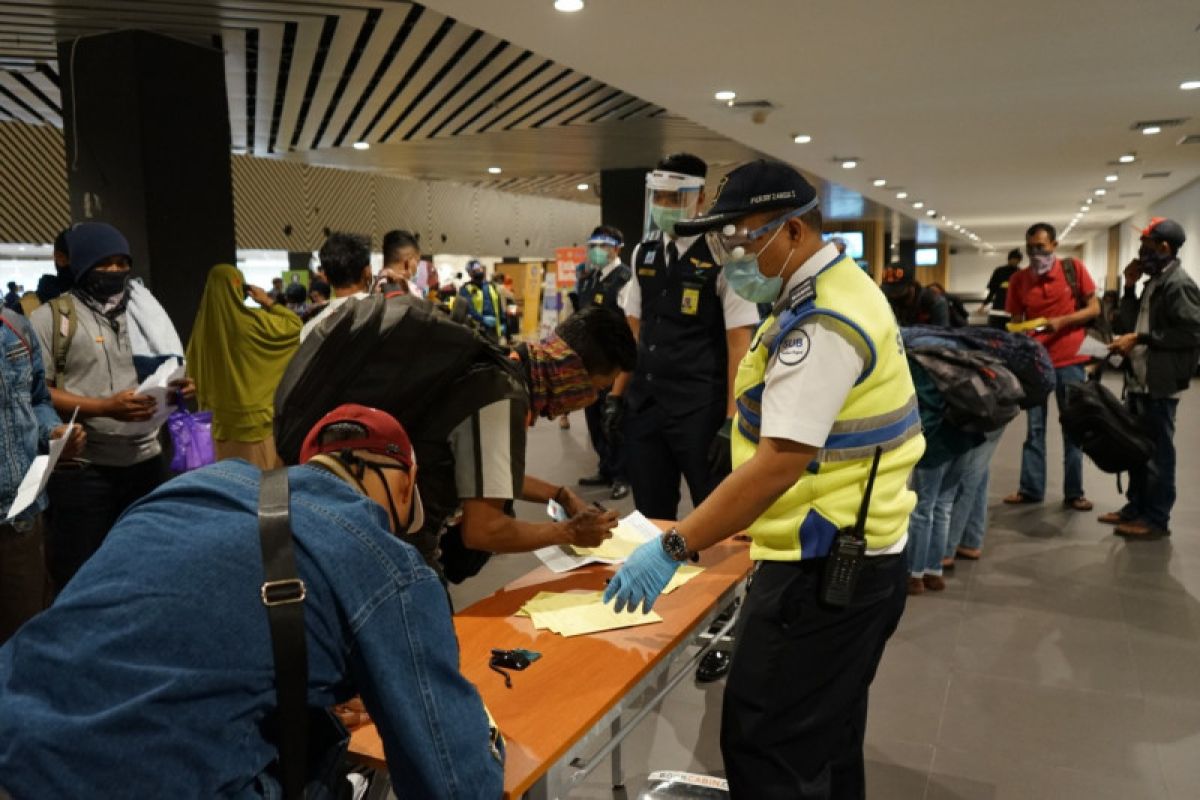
pixel 623 204
pixel 146 119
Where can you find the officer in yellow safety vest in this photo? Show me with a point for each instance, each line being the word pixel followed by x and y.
pixel 484 304
pixel 826 434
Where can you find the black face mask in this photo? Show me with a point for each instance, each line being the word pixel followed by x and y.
pixel 1154 261
pixel 103 285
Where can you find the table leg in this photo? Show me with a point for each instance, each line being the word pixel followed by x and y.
pixel 618 774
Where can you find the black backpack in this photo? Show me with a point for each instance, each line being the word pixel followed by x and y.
pixel 403 355
pixel 980 393
pixel 1103 428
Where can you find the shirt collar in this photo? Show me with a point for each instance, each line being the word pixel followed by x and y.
pixel 682 244
pixel 815 263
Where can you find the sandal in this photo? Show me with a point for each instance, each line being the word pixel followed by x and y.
pixel 1017 499
pixel 1080 503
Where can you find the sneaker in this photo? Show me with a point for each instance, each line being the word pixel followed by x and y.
pixel 620 490
pixel 1080 503
pixel 915 585
pixel 933 583
pixel 1113 518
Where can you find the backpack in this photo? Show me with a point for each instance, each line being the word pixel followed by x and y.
pixel 1103 428
pixel 1024 356
pixel 980 393
pixel 400 354
pixel 1099 327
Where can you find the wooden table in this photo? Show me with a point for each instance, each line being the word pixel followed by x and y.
pixel 557 709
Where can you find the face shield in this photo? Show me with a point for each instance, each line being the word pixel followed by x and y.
pixel 670 197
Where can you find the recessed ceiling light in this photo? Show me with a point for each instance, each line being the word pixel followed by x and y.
pixel 931 213
pixel 725 94
pixel 361 145
pixel 1128 158
pixel 879 182
pixel 583 187
pixel 495 170
pixel 1150 130
pixel 1090 201
pixel 1112 178
pixel 901 195
pixel 918 204
pixel 849 164
pixel 1100 192
pixel 801 138
pixel 1085 209
pixel 1189 86
pixel 568 6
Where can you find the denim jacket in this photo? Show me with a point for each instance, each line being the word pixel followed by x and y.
pixel 26 413
pixel 152 673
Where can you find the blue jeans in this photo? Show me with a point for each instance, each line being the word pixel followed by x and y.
pixel 1033 454
pixel 968 518
pixel 1151 492
pixel 930 519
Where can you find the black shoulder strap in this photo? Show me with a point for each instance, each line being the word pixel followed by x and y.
pixel 283 595
pixel 1072 275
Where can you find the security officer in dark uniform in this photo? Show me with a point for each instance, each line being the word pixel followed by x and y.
pixel 600 282
pixel 692 331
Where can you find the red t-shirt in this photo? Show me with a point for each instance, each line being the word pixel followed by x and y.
pixel 1049 295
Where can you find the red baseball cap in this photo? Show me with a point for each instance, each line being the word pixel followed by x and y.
pixel 383 435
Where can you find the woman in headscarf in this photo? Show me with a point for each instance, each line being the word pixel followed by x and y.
pixel 237 356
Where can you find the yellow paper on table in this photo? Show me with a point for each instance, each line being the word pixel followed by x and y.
pixel 624 541
pixel 579 614
pixel 551 601
pixel 682 576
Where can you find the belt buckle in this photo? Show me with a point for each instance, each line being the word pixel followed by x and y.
pixel 282 593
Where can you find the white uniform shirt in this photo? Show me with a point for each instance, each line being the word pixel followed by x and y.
pixel 739 312
pixel 811 374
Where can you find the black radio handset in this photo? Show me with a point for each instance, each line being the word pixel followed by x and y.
pixel 849 550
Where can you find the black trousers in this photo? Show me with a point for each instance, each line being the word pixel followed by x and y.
pixel 661 446
pixel 612 463
pixel 795 708
pixel 85 503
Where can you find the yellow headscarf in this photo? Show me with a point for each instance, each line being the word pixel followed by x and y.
pixel 237 356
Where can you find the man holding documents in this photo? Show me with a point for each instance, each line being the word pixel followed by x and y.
pixel 27 424
pixel 825 408
pixel 90 364
pixel 1060 296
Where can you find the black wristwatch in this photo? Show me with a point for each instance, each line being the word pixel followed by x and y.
pixel 674 545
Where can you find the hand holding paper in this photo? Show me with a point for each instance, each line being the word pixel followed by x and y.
pixel 38 475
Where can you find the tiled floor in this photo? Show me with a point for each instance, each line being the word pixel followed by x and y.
pixel 1065 664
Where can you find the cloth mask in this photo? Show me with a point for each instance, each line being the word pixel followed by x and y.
pixel 1153 261
pixel 1042 263
pixel 747 280
pixel 665 218
pixel 558 381
pixel 103 286
pixel 597 256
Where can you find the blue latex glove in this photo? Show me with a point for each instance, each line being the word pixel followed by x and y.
pixel 642 577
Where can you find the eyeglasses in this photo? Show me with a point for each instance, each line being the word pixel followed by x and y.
pixel 731 243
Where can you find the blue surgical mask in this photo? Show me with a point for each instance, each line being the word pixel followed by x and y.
pixel 665 218
pixel 747 281
pixel 597 256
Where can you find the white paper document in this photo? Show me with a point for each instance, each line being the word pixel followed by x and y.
pixel 630 532
pixel 38 474
pixel 156 386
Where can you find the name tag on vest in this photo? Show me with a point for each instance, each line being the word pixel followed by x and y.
pixel 690 304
